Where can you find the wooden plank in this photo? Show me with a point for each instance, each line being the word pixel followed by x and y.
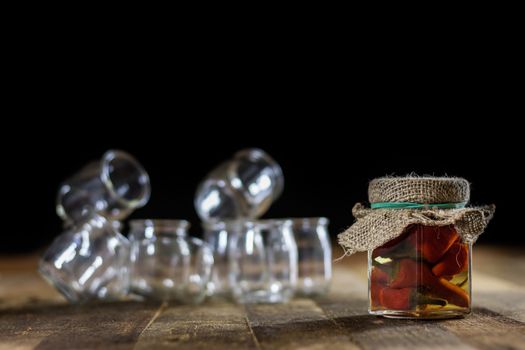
pixel 347 306
pixel 213 325
pixel 510 304
pixel 34 315
pixel 299 324
pixel 486 329
pixel 22 286
pixel 95 326
pixel 102 326
pixel 372 332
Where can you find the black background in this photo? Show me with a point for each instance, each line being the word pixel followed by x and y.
pixel 327 162
pixel 332 119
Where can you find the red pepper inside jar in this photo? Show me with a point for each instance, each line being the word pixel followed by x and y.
pixel 418 233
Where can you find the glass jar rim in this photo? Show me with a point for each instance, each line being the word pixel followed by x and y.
pixel 161 224
pixel 294 221
pixel 309 221
pixel 221 224
pixel 109 157
pixel 268 223
pixel 236 223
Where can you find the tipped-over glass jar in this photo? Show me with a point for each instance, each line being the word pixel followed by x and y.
pixel 166 264
pixel 89 261
pixel 263 262
pixel 243 187
pixel 424 273
pixel 113 187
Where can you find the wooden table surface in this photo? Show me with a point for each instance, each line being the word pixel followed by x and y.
pixel 34 316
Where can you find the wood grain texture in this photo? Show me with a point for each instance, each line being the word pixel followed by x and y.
pixel 75 327
pixel 216 325
pixel 486 329
pixel 34 316
pixel 298 324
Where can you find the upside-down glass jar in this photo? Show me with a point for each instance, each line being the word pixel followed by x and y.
pixel 419 234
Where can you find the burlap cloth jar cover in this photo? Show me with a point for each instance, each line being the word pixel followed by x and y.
pixel 398 202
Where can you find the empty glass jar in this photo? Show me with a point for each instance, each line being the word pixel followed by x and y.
pixel 314 255
pixel 243 187
pixel 113 187
pixel 218 236
pixel 89 261
pixel 263 262
pixel 166 264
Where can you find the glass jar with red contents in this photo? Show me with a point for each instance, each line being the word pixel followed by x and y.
pixel 418 232
pixel 425 272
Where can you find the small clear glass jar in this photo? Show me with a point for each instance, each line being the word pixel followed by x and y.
pixel 314 255
pixel 424 273
pixel 88 261
pixel 113 187
pixel 217 235
pixel 263 262
pixel 166 264
pixel 243 187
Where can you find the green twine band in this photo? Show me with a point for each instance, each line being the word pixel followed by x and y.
pixel 410 205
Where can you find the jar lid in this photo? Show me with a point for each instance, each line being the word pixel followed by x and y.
pixel 399 202
pixel 423 190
